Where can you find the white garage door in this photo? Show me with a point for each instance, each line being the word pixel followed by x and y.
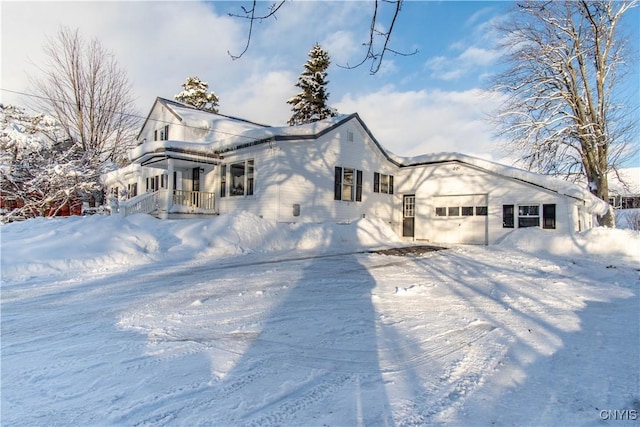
pixel 460 219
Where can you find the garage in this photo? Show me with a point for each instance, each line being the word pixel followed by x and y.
pixel 460 219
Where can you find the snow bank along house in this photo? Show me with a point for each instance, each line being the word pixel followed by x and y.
pixel 193 162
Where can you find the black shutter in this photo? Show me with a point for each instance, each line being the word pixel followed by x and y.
pixel 549 216
pixel 508 212
pixel 390 184
pixel 195 179
pixel 376 182
pixel 337 189
pixel 166 133
pixel 358 186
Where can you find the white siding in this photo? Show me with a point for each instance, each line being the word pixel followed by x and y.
pixel 456 183
pixel 159 117
pixel 306 173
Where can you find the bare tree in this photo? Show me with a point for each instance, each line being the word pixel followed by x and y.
pixel 83 87
pixel 565 113
pixel 378 39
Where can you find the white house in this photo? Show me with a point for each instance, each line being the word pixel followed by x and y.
pixel 190 161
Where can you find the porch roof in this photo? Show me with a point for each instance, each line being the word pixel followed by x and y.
pixel 157 153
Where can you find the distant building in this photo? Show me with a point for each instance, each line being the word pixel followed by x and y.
pixel 624 189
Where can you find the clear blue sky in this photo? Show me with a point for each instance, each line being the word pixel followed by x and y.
pixel 435 100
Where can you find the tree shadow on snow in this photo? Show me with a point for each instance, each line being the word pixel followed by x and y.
pixel 315 359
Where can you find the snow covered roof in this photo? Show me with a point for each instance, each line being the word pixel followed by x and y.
pixel 545 181
pixel 226 133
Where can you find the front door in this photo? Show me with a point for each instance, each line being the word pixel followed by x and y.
pixel 408 215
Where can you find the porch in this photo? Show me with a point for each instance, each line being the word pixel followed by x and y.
pixel 164 202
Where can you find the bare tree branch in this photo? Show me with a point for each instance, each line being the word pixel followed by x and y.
pixel 376 58
pixel 374 53
pixel 250 14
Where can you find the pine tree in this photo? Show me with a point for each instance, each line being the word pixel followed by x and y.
pixel 310 105
pixel 195 94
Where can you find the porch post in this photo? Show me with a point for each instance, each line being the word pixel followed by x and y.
pixel 170 184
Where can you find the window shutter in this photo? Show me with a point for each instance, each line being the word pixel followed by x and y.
pixel 376 182
pixel 549 216
pixel 390 184
pixel 358 186
pixel 155 135
pixel 337 189
pixel 508 212
pixel 166 133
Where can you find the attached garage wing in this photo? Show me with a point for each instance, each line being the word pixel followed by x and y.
pixel 460 219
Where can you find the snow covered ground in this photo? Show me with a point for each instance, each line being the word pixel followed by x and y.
pixel 239 321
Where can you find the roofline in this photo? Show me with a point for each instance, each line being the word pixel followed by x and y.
pixel 169 102
pixel 157 100
pixel 356 116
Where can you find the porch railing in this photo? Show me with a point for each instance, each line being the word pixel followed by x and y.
pixel 143 203
pixel 187 201
pixel 194 199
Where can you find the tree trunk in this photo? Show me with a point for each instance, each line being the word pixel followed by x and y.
pixel 602 192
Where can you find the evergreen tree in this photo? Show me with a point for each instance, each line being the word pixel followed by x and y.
pixel 310 105
pixel 195 94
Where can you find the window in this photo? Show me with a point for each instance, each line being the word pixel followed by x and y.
pixel 382 183
pixel 441 211
pixel 348 184
pixel 349 136
pixel 467 211
pixel 161 134
pixel 237 179
pixel 528 216
pixel 481 211
pixel 223 180
pixel 549 216
pixel 454 211
pixel 241 178
pixel 507 216
pixel 132 189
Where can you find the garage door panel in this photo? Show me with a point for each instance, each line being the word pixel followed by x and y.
pixel 457 223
